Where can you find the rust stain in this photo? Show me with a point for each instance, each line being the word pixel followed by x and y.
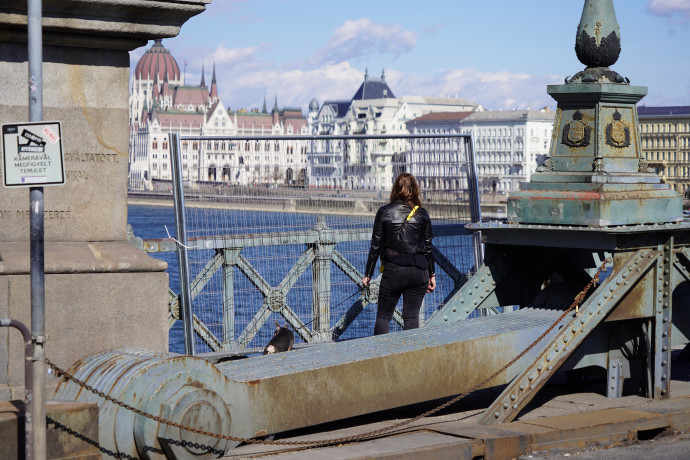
pixel 633 304
pixel 197 384
pixel 254 382
pixel 260 433
pixel 77 79
pixel 575 196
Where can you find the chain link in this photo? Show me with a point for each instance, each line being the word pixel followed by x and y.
pixel 345 439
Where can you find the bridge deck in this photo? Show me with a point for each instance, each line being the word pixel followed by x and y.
pixel 528 323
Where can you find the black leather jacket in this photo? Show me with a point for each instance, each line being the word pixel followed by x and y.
pixel 414 238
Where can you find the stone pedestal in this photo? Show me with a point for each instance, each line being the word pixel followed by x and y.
pixel 595 174
pixel 101 293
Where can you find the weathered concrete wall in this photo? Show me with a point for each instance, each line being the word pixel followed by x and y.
pixel 86 90
pixel 100 292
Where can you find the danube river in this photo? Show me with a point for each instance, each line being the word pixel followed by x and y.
pixel 274 263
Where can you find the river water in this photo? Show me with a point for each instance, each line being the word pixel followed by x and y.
pixel 273 263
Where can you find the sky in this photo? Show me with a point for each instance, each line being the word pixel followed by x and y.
pixel 498 53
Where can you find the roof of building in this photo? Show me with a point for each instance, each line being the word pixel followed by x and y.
pixel 676 110
pixel 178 118
pixel 511 115
pixel 253 121
pixel 292 112
pixel 339 107
pixel 447 101
pixel 435 117
pixel 296 123
pixel 195 95
pixel 157 60
pixel 373 88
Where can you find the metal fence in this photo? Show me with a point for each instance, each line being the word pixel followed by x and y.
pixel 288 241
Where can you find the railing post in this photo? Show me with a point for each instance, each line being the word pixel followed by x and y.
pixel 475 200
pixel 321 280
pixel 229 261
pixel 182 256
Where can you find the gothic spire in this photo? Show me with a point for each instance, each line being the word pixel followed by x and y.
pixel 214 87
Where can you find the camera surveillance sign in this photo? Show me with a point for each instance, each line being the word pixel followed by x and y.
pixel 32 154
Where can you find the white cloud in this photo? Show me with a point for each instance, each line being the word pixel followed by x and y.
pixel 241 58
pixel 431 30
pixel 293 87
pixel 244 77
pixel 496 90
pixel 674 9
pixel 360 38
pixel 500 90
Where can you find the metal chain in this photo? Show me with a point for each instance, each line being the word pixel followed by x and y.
pixel 345 439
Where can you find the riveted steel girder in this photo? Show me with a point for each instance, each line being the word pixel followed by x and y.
pixel 662 321
pixel 477 293
pixel 575 328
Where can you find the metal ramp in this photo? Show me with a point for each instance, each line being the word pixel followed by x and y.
pixel 273 393
pixel 343 379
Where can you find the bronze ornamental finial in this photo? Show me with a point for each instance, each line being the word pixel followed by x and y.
pixel 598 39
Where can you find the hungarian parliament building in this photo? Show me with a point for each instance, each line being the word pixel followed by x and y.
pixel 264 148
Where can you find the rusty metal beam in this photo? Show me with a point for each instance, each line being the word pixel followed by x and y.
pixel 575 328
pixel 682 262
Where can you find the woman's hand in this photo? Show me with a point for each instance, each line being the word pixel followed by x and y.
pixel 365 281
pixel 432 284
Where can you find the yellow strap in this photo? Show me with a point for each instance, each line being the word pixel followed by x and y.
pixel 409 216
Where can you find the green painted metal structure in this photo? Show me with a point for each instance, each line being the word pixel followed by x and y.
pixel 593 203
pixel 596 174
pixel 320 253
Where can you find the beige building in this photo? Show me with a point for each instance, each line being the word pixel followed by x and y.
pixel 509 144
pixel 373 110
pixel 162 103
pixel 665 141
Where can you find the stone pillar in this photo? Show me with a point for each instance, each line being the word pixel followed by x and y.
pixel 101 292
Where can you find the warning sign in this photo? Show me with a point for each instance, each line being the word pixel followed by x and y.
pixel 32 154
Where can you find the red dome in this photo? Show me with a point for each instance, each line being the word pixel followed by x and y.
pixel 157 59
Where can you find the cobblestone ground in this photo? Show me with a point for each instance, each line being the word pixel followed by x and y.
pixel 665 447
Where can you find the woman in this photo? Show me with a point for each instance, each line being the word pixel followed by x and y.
pixel 402 237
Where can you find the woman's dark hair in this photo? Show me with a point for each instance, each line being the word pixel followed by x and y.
pixel 406 189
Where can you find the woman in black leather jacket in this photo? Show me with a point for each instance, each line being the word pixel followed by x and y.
pixel 402 237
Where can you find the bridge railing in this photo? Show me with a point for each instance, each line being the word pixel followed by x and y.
pixel 294 252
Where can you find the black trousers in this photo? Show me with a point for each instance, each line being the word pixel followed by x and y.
pixel 411 283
